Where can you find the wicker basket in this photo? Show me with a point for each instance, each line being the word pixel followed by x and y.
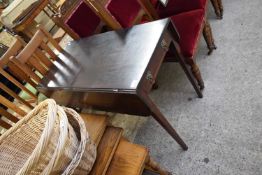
pixel 44 142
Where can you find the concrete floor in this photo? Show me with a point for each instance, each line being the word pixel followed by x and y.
pixel 224 129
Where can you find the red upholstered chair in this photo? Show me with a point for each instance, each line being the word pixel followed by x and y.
pixel 190 25
pixel 78 20
pixel 124 12
pixel 178 6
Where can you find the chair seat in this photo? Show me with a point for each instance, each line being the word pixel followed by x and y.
pixel 125 11
pixel 178 6
pixel 83 20
pixel 189 26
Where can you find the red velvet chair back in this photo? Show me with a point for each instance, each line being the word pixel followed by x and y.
pixel 178 6
pixel 124 11
pixel 83 20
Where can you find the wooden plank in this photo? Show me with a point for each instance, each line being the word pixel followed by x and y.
pixel 11 106
pixel 13 94
pixel 95 125
pixel 9 116
pixel 37 64
pixel 50 39
pixel 17 83
pixel 44 59
pixel 129 159
pixel 50 52
pixel 106 150
pixel 26 69
pixel 15 47
pixel 5 124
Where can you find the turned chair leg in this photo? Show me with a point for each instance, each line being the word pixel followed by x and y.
pixel 155 167
pixel 197 74
pixel 221 8
pixel 208 35
pixel 217 5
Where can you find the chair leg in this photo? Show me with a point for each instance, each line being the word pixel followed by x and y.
pixel 154 166
pixel 216 5
pixel 221 8
pixel 207 33
pixel 197 74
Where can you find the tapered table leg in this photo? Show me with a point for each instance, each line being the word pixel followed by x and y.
pixel 161 119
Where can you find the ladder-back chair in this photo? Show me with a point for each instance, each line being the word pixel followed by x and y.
pixel 12 105
pixel 37 56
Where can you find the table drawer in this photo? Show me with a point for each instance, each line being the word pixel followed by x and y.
pixel 156 61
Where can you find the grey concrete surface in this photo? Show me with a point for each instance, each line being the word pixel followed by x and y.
pixel 224 129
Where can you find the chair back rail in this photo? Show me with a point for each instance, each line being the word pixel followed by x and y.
pixel 147 4
pixel 19 66
pixel 37 57
pixel 10 111
pixel 67 12
pixel 100 7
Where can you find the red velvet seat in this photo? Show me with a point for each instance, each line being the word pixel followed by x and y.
pixel 83 20
pixel 177 6
pixel 124 11
pixel 189 26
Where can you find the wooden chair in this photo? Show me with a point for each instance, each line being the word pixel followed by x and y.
pixel 77 19
pixel 9 99
pixel 37 56
pixel 120 14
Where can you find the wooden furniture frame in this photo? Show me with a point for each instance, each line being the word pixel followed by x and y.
pixel 99 7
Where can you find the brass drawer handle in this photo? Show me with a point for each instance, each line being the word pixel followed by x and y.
pixel 149 76
pixel 164 45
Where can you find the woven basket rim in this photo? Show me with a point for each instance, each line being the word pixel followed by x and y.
pixel 45 137
pixel 25 119
pixel 64 124
pixel 84 138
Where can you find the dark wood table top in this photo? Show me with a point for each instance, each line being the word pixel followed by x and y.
pixel 112 61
